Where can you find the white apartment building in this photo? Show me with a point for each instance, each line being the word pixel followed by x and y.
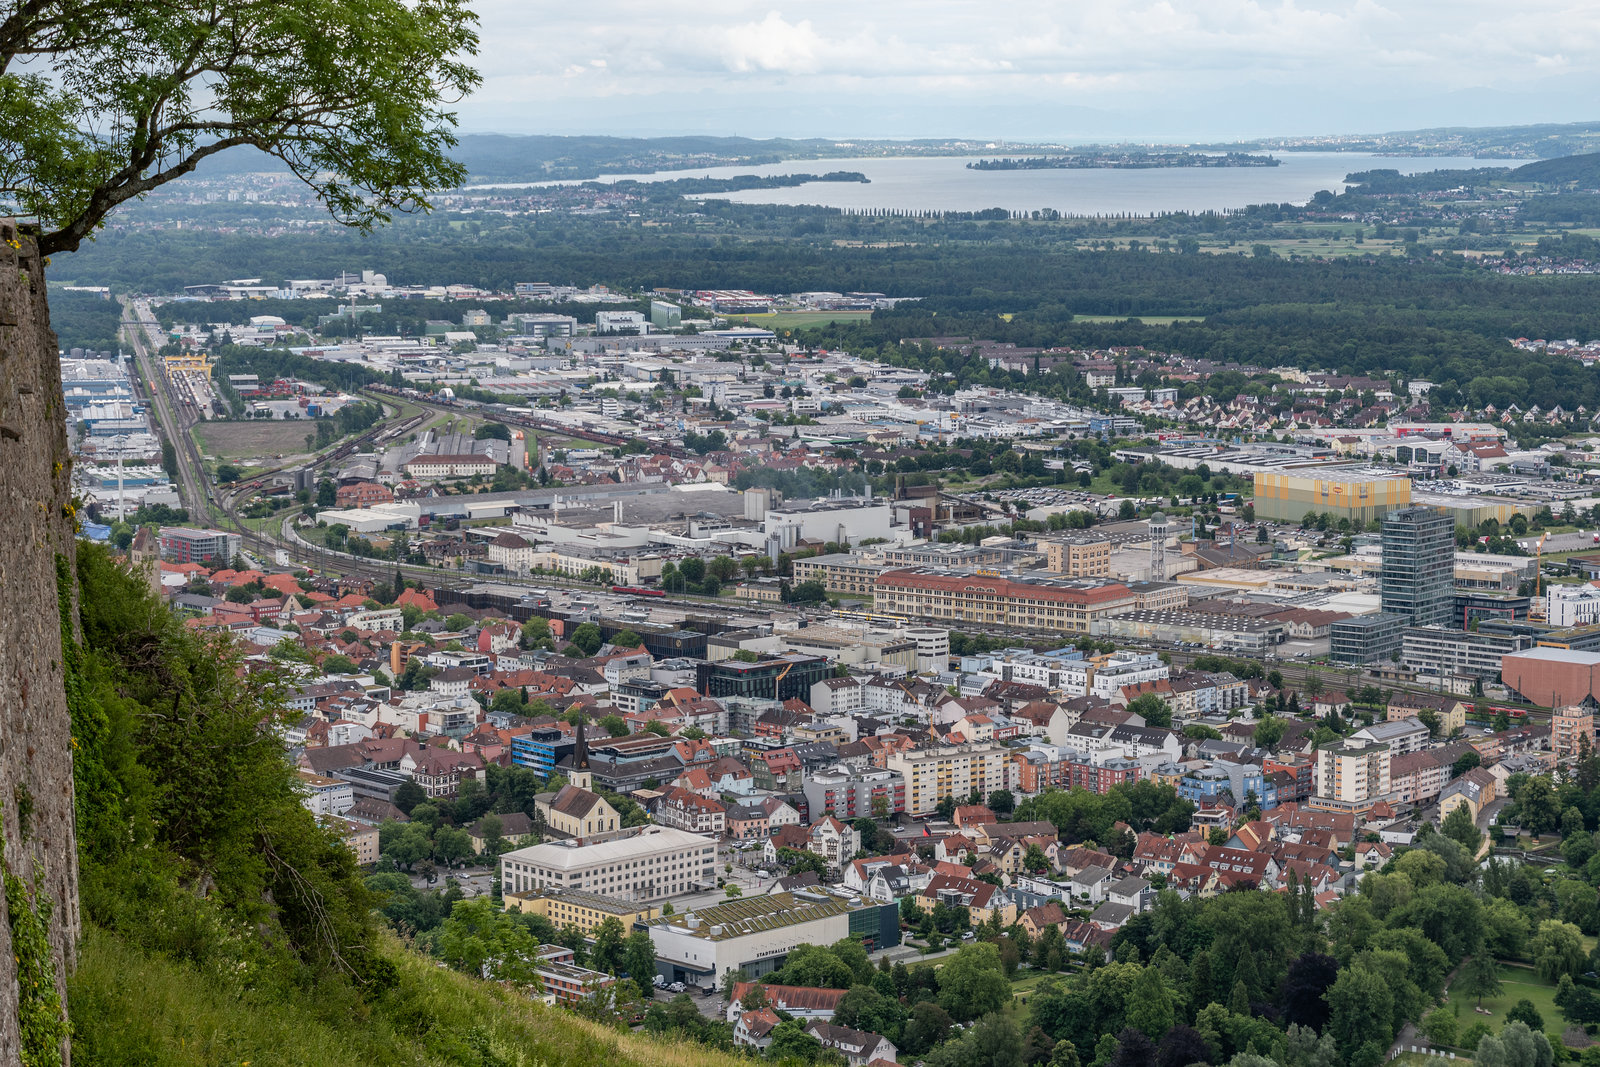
pixel 1572 605
pixel 1052 672
pixel 381 619
pixel 931 774
pixel 1350 776
pixel 1401 736
pixel 325 796
pixel 839 696
pixel 657 863
pixel 1127 668
pixel 933 648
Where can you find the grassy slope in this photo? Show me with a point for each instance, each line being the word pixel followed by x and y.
pixel 129 1008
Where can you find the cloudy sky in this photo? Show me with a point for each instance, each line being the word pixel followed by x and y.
pixel 1019 69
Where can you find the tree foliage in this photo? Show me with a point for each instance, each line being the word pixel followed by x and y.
pixel 101 103
pixel 190 826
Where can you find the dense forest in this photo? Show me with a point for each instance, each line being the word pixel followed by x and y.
pixel 84 320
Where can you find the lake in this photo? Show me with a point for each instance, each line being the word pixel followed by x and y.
pixel 943 183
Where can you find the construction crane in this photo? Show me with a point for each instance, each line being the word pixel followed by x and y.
pixel 1538 570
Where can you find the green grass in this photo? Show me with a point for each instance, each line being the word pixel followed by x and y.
pixel 1518 983
pixel 137 1009
pixel 270 523
pixel 260 439
pixel 1030 981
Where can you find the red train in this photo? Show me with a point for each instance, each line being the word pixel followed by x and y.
pixel 634 590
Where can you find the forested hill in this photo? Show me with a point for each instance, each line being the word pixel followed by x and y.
pixel 1584 169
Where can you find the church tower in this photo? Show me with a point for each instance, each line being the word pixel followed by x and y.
pixel 144 555
pixel 582 776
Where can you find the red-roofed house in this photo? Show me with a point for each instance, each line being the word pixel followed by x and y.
pixel 684 810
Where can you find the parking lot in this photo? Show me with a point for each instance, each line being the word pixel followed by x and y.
pixel 475 881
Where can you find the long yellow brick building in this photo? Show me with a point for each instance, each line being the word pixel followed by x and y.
pixel 1360 494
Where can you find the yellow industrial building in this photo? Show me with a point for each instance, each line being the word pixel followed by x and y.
pixel 1360 494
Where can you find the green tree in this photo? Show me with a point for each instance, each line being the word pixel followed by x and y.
pixel 451 846
pixel 1524 1011
pixel 1536 806
pixel 1156 712
pixel 811 591
pixel 491 827
pixel 973 983
pixel 791 1042
pixel 587 638
pixel 627 639
pixel 607 952
pixel 864 1008
pixel 337 664
pixel 535 632
pixel 480 939
pixel 1479 977
pixel 408 796
pixel 116 101
pixel 507 700
pixel 1557 949
pixel 1459 827
pixel 1361 1008
pixel 639 958
pixel 1518 1045
pixel 928 1027
pixel 1441 1026
pixel 1151 1008
pixel 1269 731
pixel 993 1041
pixel 815 966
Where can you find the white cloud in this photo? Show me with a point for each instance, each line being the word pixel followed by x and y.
pixel 721 56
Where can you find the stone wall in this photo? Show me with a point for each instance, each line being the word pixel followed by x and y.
pixel 36 805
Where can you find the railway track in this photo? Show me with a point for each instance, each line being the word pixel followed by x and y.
pixel 518 421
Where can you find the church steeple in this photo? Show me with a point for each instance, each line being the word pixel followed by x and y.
pixel 582 776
